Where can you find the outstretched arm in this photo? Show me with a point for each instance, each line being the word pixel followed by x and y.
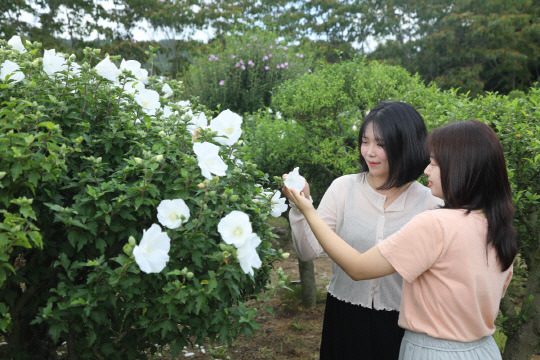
pixel 359 266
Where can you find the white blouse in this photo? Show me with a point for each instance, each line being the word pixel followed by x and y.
pixel 355 211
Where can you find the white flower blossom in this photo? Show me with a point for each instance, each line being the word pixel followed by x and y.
pixel 197 121
pixel 53 62
pixel 227 124
pixel 235 228
pixel 11 69
pixel 168 112
pixel 135 68
pixel 16 43
pixel 278 204
pixel 295 181
pixel 247 254
pixel 132 87
pixel 173 213
pixel 108 70
pixel 152 253
pixel 148 100
pixel 74 69
pixel 209 160
pixel 167 91
pixel 184 103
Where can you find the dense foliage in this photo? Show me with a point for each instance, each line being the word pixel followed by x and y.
pixel 317 132
pixel 89 153
pixel 241 71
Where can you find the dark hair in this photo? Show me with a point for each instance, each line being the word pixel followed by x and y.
pixel 473 177
pixel 401 129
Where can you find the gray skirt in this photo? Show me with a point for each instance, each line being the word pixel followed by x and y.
pixel 415 346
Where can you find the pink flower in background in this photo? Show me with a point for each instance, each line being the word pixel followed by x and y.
pixel 271 47
pixel 265 57
pixel 233 56
pixel 269 55
pixel 266 68
pixel 241 61
pixel 213 58
pixel 277 67
pixel 285 48
pixel 309 70
pixel 237 65
pixel 251 63
pixel 222 82
pixel 286 64
pixel 243 67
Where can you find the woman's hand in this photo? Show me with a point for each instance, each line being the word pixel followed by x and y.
pixel 300 200
pixel 305 191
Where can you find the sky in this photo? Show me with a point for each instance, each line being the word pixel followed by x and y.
pixel 142 32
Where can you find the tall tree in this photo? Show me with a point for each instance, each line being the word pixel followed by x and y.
pixel 489 46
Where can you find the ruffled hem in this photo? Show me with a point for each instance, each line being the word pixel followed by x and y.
pixel 367 306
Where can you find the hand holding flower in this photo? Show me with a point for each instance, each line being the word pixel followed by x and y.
pixel 300 200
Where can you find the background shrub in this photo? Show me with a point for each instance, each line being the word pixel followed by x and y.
pixel 318 133
pixel 240 71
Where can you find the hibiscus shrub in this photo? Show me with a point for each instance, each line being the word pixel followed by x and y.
pixel 128 223
pixel 241 70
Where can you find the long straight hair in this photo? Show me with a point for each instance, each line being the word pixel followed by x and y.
pixel 474 177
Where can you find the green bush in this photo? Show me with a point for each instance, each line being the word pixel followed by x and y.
pixel 86 162
pixel 241 71
pixel 318 133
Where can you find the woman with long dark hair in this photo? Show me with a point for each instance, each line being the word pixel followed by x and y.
pixel 360 319
pixel 457 260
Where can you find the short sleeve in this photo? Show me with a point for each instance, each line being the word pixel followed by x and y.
pixel 415 247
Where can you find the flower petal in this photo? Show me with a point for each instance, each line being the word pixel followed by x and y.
pixel 235 228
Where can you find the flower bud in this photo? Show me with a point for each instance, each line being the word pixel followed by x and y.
pixel 281 283
pixel 158 158
pixel 226 254
pixel 233 198
pixel 162 133
pixel 131 240
pixel 184 271
pixel 128 249
pixel 212 193
pixel 190 275
pixel 138 160
pixel 285 255
pixel 201 185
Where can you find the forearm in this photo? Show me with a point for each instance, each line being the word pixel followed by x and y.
pixel 359 266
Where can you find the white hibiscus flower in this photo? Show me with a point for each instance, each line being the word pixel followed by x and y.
pixel 173 213
pixel 228 126
pixel 152 253
pixel 209 160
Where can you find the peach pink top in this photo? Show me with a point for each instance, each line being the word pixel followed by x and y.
pixel 453 286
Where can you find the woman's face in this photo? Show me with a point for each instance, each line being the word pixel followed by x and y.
pixel 433 173
pixel 374 154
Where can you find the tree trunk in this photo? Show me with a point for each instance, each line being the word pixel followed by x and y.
pixel 307 280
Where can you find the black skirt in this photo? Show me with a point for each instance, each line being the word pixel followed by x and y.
pixel 354 332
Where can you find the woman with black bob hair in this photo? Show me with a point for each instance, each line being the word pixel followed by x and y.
pixel 360 318
pixel 456 260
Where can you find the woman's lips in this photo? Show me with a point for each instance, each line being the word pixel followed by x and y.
pixel 372 163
